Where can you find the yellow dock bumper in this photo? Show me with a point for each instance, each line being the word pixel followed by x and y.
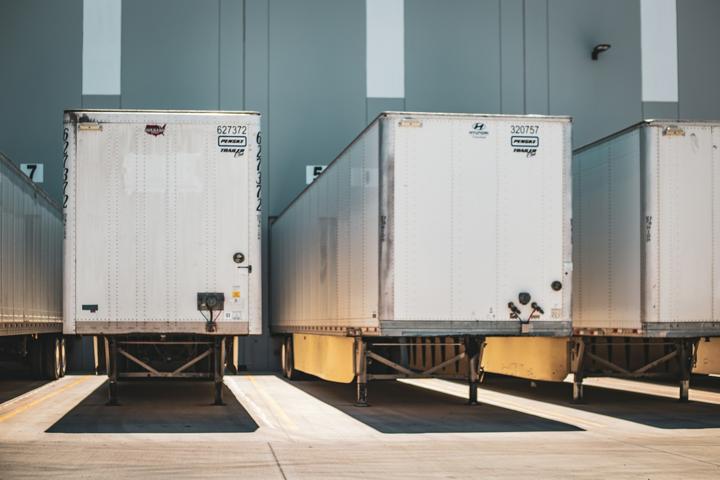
pixel 536 358
pixel 326 356
pixel 708 356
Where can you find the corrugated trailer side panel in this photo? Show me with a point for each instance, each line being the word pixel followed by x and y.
pixel 716 224
pixel 325 247
pixel 31 256
pixel 606 247
pixel 478 218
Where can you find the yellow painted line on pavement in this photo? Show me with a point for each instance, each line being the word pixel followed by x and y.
pixel 40 400
pixel 273 404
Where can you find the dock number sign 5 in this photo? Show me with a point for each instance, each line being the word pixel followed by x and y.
pixel 312 172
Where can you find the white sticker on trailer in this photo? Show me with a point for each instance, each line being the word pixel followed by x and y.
pixel 148 173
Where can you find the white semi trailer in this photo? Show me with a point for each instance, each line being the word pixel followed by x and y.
pixel 30 275
pixel 647 259
pixel 427 226
pixel 162 238
pixel 646 219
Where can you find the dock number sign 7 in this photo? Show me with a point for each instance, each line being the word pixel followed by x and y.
pixel 33 170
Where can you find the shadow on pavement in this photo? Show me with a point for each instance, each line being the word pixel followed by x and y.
pixel 397 407
pixel 152 406
pixel 13 385
pixel 705 383
pixel 16 380
pixel 651 410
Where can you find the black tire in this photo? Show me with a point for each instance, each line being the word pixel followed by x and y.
pixel 287 358
pixel 52 357
pixel 63 357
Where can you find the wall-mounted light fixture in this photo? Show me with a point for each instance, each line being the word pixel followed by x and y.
pixel 602 47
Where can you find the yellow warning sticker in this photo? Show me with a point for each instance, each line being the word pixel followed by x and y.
pixel 236 294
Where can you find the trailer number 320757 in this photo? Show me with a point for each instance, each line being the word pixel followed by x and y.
pixel 524 129
pixel 232 130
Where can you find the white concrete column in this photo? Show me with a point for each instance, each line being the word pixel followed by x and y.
pixel 385 48
pixel 102 25
pixel 658 20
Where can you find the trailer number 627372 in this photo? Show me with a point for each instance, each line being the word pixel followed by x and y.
pixel 232 130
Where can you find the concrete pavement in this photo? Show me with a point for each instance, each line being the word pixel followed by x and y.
pixel 271 428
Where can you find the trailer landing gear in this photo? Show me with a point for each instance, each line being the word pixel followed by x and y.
pixel 686 357
pixel 364 353
pixel 211 350
pixel 586 360
pixel 474 349
pixel 577 356
pixel 111 348
pixel 219 369
pixel 362 377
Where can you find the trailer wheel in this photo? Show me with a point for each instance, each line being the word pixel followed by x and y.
pixel 52 357
pixel 288 367
pixel 63 357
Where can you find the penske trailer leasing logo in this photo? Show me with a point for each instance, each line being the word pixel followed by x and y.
pixel 525 144
pixel 232 141
pixel 232 144
pixel 525 138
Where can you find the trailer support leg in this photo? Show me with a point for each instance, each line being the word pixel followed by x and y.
pixel 219 369
pixel 576 349
pixel 361 372
pixel 685 360
pixel 404 353
pixel 578 391
pixel 112 367
pixel 474 347
pixel 684 390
